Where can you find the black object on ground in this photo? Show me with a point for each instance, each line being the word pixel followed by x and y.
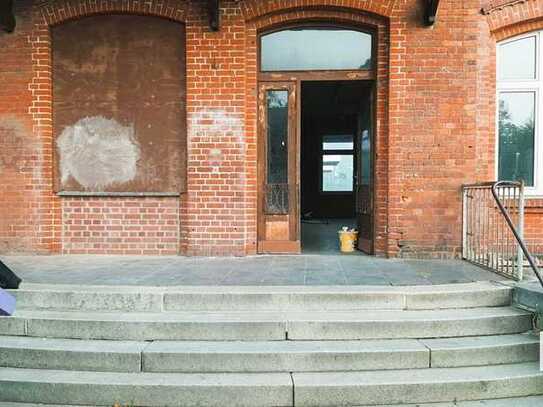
pixel 8 279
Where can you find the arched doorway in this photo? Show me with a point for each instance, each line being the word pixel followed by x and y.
pixel 316 120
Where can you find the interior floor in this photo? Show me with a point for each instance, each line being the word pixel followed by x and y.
pixel 320 236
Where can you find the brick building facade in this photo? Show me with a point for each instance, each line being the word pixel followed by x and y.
pixel 434 126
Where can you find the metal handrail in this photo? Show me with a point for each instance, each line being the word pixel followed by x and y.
pixel 509 221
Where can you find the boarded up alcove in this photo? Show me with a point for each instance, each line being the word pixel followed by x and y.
pixel 119 115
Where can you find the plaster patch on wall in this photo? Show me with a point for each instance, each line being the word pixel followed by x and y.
pixel 216 123
pixel 216 126
pixel 98 152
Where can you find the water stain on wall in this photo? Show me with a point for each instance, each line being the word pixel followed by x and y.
pixel 14 140
pixel 98 152
pixel 19 167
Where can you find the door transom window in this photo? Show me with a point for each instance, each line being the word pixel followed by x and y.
pixel 316 48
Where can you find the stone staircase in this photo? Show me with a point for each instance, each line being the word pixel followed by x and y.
pixel 452 345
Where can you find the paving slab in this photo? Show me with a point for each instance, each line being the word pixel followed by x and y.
pixel 316 269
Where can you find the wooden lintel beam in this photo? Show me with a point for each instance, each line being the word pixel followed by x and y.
pixel 430 15
pixel 7 17
pixel 213 9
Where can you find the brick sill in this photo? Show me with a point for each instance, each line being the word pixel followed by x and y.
pixel 118 194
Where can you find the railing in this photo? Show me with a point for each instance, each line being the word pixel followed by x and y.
pixel 493 226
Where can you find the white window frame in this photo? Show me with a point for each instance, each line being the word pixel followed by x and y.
pixel 516 85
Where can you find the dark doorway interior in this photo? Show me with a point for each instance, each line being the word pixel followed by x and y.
pixel 332 117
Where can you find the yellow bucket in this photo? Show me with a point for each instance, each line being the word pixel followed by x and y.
pixel 347 240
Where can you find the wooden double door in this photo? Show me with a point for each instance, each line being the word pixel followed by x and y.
pixel 279 146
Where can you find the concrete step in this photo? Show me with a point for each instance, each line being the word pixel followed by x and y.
pixel 268 325
pixel 12 404
pixel 71 354
pixel 210 357
pixel 532 401
pixel 231 298
pixel 145 389
pixel 417 386
pixel 483 350
pixel 409 324
pixel 443 385
pixel 273 356
pixel 285 356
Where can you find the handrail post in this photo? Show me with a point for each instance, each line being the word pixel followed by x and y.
pixel 464 223
pixel 520 253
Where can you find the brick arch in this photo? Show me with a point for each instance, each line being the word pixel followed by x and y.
pixel 380 25
pixel 48 13
pixel 518 29
pixel 253 9
pixel 507 19
pixel 339 16
pixel 55 12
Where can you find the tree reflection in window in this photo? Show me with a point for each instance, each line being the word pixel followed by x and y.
pixel 516 136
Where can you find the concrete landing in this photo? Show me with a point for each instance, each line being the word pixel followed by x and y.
pixel 311 270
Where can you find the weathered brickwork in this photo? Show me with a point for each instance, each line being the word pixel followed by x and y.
pixel 435 110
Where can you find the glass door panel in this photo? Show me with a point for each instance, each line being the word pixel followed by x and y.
pixel 278 151
pixel 364 179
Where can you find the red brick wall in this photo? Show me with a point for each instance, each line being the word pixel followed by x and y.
pixel 216 218
pixel 533 230
pixel 94 225
pixel 435 128
pixel 26 219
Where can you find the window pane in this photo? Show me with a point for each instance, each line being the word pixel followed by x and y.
pixel 277 101
pixel 338 142
pixel 517 59
pixel 316 49
pixel 277 176
pixel 365 157
pixel 337 173
pixel 516 132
